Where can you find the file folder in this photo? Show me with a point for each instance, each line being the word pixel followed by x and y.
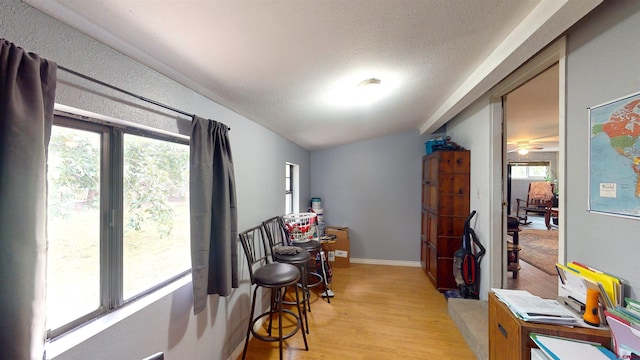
pixel 558 348
pixel 611 284
pixel 626 338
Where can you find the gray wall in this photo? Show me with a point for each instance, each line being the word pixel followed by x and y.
pixel 373 187
pixel 602 64
pixel 259 156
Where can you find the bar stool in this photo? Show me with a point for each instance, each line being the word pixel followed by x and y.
pixel 274 276
pixel 301 230
pixel 314 247
pixel 282 252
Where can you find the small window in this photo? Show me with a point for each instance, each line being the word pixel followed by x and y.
pixel 291 197
pixel 288 188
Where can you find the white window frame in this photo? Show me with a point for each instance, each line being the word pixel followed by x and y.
pixel 294 182
pixel 527 165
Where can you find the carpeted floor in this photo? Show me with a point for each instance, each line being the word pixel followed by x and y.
pixel 540 249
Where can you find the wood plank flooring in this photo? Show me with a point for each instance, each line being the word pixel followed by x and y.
pixel 534 281
pixel 531 278
pixel 378 312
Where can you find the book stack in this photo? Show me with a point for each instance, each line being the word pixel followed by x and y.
pixel 531 308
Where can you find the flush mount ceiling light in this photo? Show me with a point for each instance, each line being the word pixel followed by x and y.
pixel 369 82
pixel 523 151
pixel 361 88
pixel 369 90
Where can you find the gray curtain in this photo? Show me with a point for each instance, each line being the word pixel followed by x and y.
pixel 27 91
pixel 214 225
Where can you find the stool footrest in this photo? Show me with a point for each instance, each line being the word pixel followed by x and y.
pixel 275 338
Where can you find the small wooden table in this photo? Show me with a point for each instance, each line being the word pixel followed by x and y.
pixel 513 249
pixel 551 212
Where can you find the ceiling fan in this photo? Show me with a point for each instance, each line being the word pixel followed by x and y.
pixel 543 143
pixel 523 147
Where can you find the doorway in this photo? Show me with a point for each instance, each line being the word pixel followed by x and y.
pixel 531 128
pixel 553 57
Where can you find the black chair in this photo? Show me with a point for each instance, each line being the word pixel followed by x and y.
pixel 277 277
pixel 282 251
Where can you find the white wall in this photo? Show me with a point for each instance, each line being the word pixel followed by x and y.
pixel 470 130
pixel 259 156
pixel 373 187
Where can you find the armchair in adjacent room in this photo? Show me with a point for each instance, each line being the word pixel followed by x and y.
pixel 539 200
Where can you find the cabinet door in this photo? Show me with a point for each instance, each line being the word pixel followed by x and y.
pixel 432 263
pixel 446 280
pixel 431 185
pixel 461 162
pixel 504 333
pixel 432 228
pixel 423 240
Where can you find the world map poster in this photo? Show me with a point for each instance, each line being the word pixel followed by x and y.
pixel 614 157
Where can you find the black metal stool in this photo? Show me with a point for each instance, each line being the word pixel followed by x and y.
pixel 274 276
pixel 282 252
pixel 314 247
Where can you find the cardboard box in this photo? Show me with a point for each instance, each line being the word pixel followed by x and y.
pixel 338 253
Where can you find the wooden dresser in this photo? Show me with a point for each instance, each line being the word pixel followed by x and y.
pixel 445 206
pixel 509 336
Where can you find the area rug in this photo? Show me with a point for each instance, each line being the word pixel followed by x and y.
pixel 540 249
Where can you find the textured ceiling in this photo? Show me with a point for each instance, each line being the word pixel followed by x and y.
pixel 532 113
pixel 290 65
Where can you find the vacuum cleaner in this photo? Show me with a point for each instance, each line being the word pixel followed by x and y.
pixel 466 262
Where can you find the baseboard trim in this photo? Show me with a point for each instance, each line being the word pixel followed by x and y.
pixel 385 262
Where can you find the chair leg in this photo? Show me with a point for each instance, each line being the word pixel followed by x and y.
pixel 324 276
pixel 253 307
pixel 272 306
pixel 281 298
pixel 304 333
pixel 306 303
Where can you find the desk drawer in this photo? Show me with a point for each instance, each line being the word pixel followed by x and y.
pixel 504 334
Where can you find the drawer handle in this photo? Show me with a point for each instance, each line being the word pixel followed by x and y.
pixel 502 330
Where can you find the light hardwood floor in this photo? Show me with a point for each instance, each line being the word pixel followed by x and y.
pixel 378 312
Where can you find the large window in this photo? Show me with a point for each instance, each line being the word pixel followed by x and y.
pixel 118 218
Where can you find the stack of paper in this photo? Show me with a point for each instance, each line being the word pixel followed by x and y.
pixel 558 348
pixel 529 307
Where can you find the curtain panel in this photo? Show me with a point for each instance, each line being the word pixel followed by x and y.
pixel 214 224
pixel 27 92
